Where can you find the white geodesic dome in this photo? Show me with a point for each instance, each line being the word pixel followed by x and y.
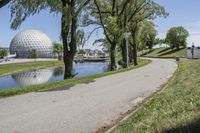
pixel 26 41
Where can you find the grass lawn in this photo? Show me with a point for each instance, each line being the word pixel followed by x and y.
pixel 167 53
pixel 12 68
pixel 175 109
pixel 67 83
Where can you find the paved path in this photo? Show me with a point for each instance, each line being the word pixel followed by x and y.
pixel 85 107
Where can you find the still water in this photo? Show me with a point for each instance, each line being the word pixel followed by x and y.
pixel 52 74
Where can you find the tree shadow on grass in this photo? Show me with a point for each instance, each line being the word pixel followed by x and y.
pixel 171 52
pixel 166 49
pixel 148 52
pixel 193 127
pixel 67 87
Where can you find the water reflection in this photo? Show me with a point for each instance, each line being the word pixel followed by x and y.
pixel 33 77
pixel 41 76
pixel 58 71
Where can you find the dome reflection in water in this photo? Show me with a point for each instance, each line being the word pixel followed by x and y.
pixel 33 77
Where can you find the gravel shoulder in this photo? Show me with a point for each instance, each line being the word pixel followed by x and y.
pixel 83 108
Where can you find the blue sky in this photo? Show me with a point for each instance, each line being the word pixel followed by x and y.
pixel 182 13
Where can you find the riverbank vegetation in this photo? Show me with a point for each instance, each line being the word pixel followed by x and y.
pixel 175 109
pixel 66 83
pixel 18 67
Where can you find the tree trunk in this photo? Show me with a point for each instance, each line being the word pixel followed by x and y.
pixel 123 46
pixel 124 53
pixel 135 54
pixel 69 47
pixel 131 59
pixel 177 46
pixel 68 61
pixel 134 45
pixel 4 3
pixel 112 57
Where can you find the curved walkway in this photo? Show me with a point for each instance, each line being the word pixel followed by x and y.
pixel 84 107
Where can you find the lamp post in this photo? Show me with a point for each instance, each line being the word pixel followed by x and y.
pixel 126 35
pixel 192 50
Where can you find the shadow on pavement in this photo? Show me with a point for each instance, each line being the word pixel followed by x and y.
pixel 67 87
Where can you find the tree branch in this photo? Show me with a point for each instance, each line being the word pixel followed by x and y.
pixel 4 2
pixel 138 9
pixel 124 7
pixel 100 17
pixel 82 6
pixel 92 32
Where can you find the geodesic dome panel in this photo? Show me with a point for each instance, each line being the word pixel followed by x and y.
pixel 27 41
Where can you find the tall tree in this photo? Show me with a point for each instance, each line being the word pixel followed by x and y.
pixel 111 16
pixel 119 16
pixel 148 34
pixel 106 14
pixel 58 49
pixel 70 11
pixel 33 54
pixel 138 12
pixel 177 36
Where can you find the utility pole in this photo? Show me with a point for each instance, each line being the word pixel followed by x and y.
pixel 126 35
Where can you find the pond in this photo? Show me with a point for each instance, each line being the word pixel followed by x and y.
pixel 51 74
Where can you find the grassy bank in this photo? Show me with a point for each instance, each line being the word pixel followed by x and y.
pixel 175 109
pixel 166 53
pixel 12 68
pixel 68 83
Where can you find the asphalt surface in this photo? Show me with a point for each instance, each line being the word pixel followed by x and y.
pixel 83 108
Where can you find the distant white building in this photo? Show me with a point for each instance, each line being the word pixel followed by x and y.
pixel 161 46
pixel 94 53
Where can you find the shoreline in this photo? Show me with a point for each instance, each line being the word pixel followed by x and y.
pixel 67 83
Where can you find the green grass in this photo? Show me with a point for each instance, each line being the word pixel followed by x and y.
pixel 175 109
pixel 166 53
pixel 12 68
pixel 66 83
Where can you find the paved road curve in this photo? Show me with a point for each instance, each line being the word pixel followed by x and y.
pixel 85 107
